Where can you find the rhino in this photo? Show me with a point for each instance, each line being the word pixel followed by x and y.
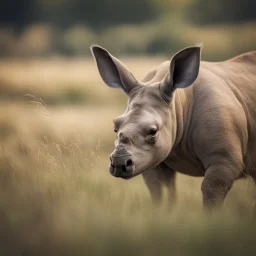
pixel 186 115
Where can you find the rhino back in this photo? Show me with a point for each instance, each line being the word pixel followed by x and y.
pixel 224 113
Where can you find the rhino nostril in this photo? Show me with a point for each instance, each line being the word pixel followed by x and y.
pixel 129 162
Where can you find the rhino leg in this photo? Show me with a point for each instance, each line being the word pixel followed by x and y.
pixel 217 182
pixel 168 177
pixel 154 184
pixel 156 178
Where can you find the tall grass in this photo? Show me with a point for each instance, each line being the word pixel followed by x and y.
pixel 58 198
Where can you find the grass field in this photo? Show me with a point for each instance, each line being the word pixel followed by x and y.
pixel 56 195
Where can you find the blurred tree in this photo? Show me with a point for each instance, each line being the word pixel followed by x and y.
pixel 222 11
pixel 17 13
pixel 63 13
pixel 101 14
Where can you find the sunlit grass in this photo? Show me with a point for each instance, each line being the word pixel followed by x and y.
pixel 59 202
pixel 58 198
pixel 63 81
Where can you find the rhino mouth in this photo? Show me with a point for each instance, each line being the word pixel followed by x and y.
pixel 131 176
pixel 124 172
pixel 128 172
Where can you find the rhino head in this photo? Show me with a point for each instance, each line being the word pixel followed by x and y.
pixel 147 131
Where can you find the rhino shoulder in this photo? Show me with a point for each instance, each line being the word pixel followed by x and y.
pixel 248 57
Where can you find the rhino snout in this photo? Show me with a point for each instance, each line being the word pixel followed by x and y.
pixel 121 166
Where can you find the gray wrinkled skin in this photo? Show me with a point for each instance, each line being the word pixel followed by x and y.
pixel 204 116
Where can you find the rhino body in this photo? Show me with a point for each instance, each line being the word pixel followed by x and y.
pixel 204 114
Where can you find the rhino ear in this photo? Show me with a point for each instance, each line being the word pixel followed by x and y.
pixel 184 68
pixel 113 71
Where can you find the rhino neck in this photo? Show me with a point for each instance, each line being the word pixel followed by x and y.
pixel 182 108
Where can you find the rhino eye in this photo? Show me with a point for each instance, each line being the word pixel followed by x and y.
pixel 152 131
pixel 115 130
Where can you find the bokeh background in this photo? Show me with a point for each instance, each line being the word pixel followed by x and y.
pixel 56 131
pixel 46 28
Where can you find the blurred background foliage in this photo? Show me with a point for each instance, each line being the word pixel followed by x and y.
pixel 68 27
